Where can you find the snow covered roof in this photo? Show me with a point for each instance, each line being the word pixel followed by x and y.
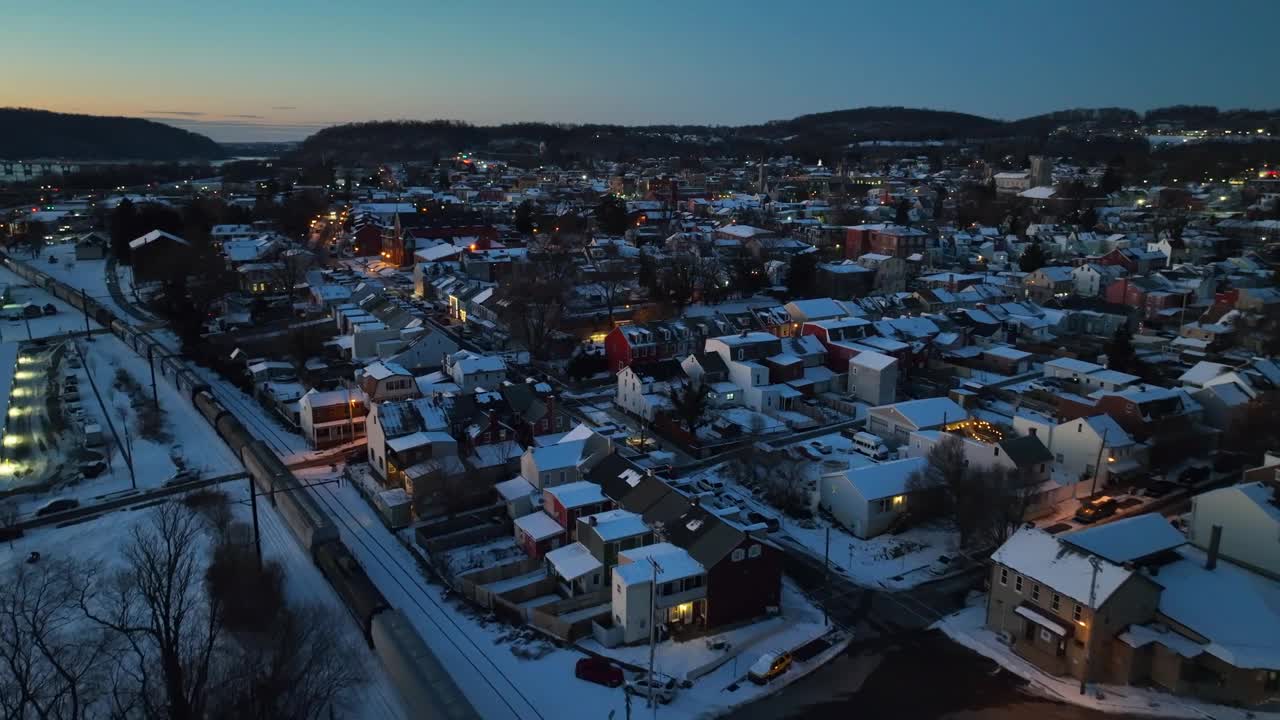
pixel 872 360
pixel 538 525
pixel 673 563
pixel 1237 610
pixel 1073 365
pixel 153 236
pixel 926 413
pixel 576 494
pixel 1202 372
pixel 883 480
pixel 1040 556
pixel 1128 539
pixel 559 455
pixel 513 489
pixel 573 561
pixel 616 524
pixel 381 370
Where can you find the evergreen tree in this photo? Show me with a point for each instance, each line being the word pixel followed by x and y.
pixel 524 218
pixel 1033 258
pixel 902 215
pixel 803 275
pixel 1120 352
pixel 611 215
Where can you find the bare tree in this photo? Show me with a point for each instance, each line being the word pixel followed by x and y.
pixel 986 503
pixel 298 669
pixel 9 520
pixel 50 666
pixel 291 270
pixel 159 607
pixel 532 304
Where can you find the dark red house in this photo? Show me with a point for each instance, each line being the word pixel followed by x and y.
pixel 566 503
pixel 893 240
pixel 1144 293
pixel 744 570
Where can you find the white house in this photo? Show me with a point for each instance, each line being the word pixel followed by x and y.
pixel 1091 278
pixel 681 581
pixel 743 356
pixel 563 461
pixel 639 395
pixel 1078 446
pixel 472 370
pixel 1249 515
pixel 427 351
pixel 577 570
pixel 868 499
pixel 873 377
pixel 894 423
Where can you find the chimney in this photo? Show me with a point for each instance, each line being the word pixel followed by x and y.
pixel 1215 540
pixel 591 520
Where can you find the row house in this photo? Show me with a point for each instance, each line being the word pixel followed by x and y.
pixel 1133 603
pixel 333 417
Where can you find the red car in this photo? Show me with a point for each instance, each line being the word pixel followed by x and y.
pixel 598 670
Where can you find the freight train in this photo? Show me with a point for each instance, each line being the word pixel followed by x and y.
pixel 424 685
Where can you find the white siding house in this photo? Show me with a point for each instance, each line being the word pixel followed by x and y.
pixel 868 499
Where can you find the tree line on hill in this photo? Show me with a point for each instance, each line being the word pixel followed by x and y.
pixel 27 134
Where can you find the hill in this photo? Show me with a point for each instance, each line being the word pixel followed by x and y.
pixel 26 133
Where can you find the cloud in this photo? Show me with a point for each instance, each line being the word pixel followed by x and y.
pixel 284 107
pixel 184 113
pixel 248 117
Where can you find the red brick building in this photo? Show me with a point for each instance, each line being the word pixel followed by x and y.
pixel 893 240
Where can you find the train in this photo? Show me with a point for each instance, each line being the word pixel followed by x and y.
pixel 425 687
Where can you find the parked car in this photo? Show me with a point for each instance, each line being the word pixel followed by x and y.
pixel 50 309
pixel 942 565
pixel 1096 509
pixel 1193 474
pixel 93 469
pixel 1159 489
pixel 57 506
pixel 664 689
pixel 769 666
pixel 771 523
pixel 599 671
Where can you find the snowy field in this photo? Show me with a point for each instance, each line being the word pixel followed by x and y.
pixel 185 437
pixel 66 320
pixel 966 627
pixel 100 540
pixel 89 275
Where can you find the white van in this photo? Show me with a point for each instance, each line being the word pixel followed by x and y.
pixel 871 446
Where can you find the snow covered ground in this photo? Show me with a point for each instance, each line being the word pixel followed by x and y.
pixel 185 437
pixel 89 275
pixel 100 540
pixel 966 627
pixel 896 562
pixel 66 320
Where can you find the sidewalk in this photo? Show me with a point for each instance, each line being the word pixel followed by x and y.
pixel 966 627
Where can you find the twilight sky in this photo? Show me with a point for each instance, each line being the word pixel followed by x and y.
pixel 279 69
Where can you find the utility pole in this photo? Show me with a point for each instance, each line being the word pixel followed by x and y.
pixel 1095 561
pixel 653 627
pixel 128 442
pixel 253 508
pixel 826 577
pixel 84 305
pixel 1097 466
pixel 155 398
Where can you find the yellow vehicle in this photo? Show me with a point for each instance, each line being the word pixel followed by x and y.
pixel 769 666
pixel 1096 509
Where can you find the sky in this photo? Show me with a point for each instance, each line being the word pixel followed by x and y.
pixel 281 69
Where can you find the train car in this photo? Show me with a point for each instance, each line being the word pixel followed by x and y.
pixel 189 383
pixel 234 434
pixel 348 578
pixel 210 408
pixel 424 685
pixel 311 525
pixel 309 522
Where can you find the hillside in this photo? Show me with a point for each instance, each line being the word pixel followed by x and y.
pixel 26 133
